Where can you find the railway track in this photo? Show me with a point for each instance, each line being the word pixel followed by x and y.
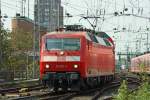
pixel 48 96
pixel 59 96
pixel 21 89
pixel 98 93
pixel 20 93
pixel 19 83
pixel 95 93
pixel 65 96
pixel 130 80
pixel 12 87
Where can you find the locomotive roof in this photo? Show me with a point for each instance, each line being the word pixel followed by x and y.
pixel 66 32
pixel 98 37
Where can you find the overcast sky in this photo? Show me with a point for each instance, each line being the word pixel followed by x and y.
pixel 107 22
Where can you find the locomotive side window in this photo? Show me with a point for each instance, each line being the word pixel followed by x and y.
pixel 93 38
pixel 88 37
pixel 100 40
pixel 63 44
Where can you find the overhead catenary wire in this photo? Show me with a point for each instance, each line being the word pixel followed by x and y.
pixel 8 5
pixel 13 7
pixel 75 7
pixel 108 2
pixel 88 8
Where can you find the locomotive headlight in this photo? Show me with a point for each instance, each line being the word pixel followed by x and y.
pixel 75 66
pixel 47 66
pixel 61 53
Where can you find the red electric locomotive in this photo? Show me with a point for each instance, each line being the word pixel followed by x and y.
pixel 74 60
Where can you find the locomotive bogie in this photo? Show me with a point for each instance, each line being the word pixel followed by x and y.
pixel 62 80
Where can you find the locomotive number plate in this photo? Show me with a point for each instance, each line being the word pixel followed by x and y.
pixel 60 66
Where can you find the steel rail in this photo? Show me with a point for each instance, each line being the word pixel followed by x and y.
pixel 130 80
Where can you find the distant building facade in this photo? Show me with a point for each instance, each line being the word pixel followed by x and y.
pixel 25 24
pixel 49 13
pixel 22 23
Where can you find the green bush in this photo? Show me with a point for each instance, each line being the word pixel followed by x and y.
pixel 122 92
pixel 142 93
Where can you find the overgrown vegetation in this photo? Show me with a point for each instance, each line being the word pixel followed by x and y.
pixel 122 92
pixel 16 52
pixel 4 48
pixel 143 91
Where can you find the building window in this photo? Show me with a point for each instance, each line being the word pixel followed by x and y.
pixel 46 19
pixel 46 14
pixel 46 10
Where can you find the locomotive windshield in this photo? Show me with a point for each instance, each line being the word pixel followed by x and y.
pixel 63 44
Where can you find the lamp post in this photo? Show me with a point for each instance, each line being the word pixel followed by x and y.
pixel 58 14
pixel 34 32
pixel 147 42
pixel 36 35
pixel 0 35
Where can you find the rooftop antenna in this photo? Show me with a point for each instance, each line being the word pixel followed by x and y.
pixel 28 9
pixel 23 7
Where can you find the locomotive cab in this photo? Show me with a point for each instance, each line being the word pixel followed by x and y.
pixel 61 60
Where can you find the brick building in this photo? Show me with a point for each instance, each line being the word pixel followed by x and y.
pixel 25 24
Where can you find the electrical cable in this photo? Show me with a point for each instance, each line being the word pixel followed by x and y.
pixel 11 6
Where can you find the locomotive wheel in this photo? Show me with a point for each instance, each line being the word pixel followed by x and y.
pixel 91 82
pixel 56 89
pixel 83 84
pixel 76 85
pixel 95 82
pixel 111 78
pixel 99 81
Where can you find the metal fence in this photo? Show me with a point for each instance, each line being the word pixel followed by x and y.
pixel 6 75
pixel 14 75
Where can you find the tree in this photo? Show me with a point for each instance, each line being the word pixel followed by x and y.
pixel 15 50
pixel 21 45
pixel 4 48
pixel 22 41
